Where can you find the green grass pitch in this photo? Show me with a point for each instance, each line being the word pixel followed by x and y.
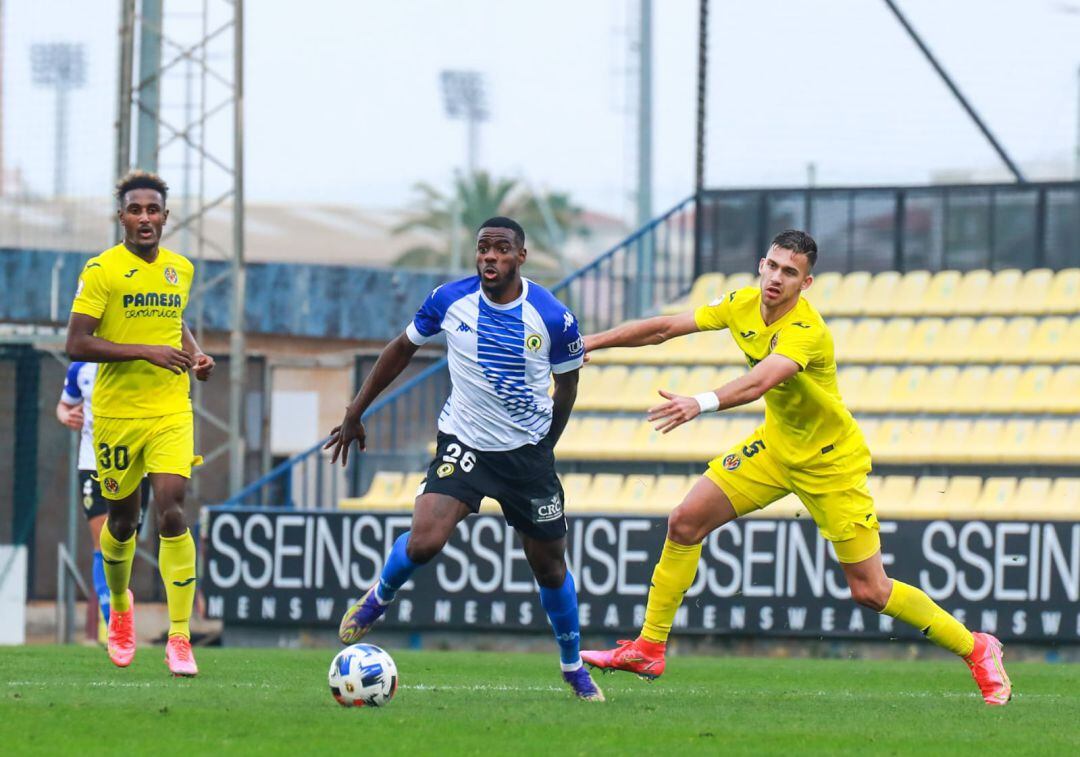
pixel 72 701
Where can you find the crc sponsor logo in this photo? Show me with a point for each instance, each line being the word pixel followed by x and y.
pixel 171 276
pixel 732 462
pixel 112 486
pixel 534 342
pixel 576 346
pixel 444 470
pixel 547 509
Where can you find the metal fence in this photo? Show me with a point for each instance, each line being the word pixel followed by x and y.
pixel 400 426
pixel 938 227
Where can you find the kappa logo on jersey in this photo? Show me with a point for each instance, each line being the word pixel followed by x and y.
pixel 567 321
pixel 112 486
pixel 444 470
pixel 171 275
pixel 534 342
pixel 546 509
pixel 732 462
pixel 464 327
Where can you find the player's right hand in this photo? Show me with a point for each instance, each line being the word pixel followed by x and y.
pixel 169 358
pixel 341 437
pixel 70 415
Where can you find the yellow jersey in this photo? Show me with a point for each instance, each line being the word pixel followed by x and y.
pixel 805 418
pixel 137 303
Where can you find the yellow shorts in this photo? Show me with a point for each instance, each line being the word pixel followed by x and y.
pixel 834 491
pixel 129 448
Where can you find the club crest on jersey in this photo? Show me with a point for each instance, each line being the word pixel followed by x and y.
pixel 772 342
pixel 171 276
pixel 732 462
pixel 112 486
pixel 534 342
pixel 444 470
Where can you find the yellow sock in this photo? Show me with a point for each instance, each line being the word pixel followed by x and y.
pixel 117 557
pixel 671 578
pixel 912 606
pixel 176 561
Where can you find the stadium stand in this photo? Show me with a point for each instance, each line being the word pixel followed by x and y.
pixel 972 369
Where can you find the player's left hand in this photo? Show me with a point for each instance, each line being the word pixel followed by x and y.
pixel 204 366
pixel 675 412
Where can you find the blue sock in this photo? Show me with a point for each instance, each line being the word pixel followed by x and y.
pixel 397 570
pixel 562 610
pixel 101 588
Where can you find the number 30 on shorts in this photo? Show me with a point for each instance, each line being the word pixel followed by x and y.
pixel 114 457
pixel 453 456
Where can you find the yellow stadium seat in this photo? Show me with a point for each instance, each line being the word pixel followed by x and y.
pixel 996 497
pixel 1035 290
pixel 1070 351
pixel 575 485
pixel 1064 391
pixel 851 295
pixel 1017 439
pixel 739 429
pixel 864 340
pixel 961 495
pixel 823 291
pixel 1048 444
pixel 841 329
pixel 1030 394
pixel 878 298
pixel 969 393
pixel 596 385
pixel 682 443
pixel 632 394
pixel 925 342
pixel 619 443
pixel 1003 298
pixel 1064 295
pixel 409 491
pixel 603 494
pixel 667 492
pixel 706 289
pixel 922 435
pixel 381 494
pixel 939 389
pixel 874 395
pixel 983 340
pixel 1031 499
pixel 581 436
pixel 951 444
pixel 908 298
pixel 737 281
pixel 906 393
pixel 1000 395
pixel 927 498
pixel 634 495
pixel 1046 346
pixel 973 293
pixel 894 335
pixel 893 495
pixel 939 297
pixel 699 445
pixel 850 382
pixel 984 445
pixel 887 440
pixel 958 332
pixel 1072 442
pixel 1065 498
pixel 1018 334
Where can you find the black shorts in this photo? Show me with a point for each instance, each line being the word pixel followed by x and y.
pixel 521 480
pixel 94 504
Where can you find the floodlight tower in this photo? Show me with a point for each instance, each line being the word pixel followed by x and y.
pixel 60 66
pixel 465 98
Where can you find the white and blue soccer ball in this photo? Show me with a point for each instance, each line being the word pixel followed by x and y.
pixel 363 675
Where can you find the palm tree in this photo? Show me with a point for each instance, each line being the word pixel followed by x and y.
pixel 549 219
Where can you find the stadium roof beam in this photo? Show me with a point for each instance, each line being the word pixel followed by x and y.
pixel 167 42
pixel 956 92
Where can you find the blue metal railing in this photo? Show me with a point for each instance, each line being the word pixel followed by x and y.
pixel 652 266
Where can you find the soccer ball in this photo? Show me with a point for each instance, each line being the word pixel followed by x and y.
pixel 363 675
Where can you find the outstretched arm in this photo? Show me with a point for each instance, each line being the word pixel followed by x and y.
pixel 562 404
pixel 83 345
pixel 656 330
pixel 392 361
pixel 770 372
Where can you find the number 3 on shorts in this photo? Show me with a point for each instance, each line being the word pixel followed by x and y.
pixel 113 457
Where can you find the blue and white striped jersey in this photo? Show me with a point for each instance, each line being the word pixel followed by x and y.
pixel 501 360
pixel 78 386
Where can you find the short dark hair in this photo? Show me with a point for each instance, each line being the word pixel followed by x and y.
pixel 502 222
pixel 798 242
pixel 141 180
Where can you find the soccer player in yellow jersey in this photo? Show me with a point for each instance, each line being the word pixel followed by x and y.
pixel 809 444
pixel 128 316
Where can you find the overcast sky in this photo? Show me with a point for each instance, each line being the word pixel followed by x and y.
pixel 343 100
